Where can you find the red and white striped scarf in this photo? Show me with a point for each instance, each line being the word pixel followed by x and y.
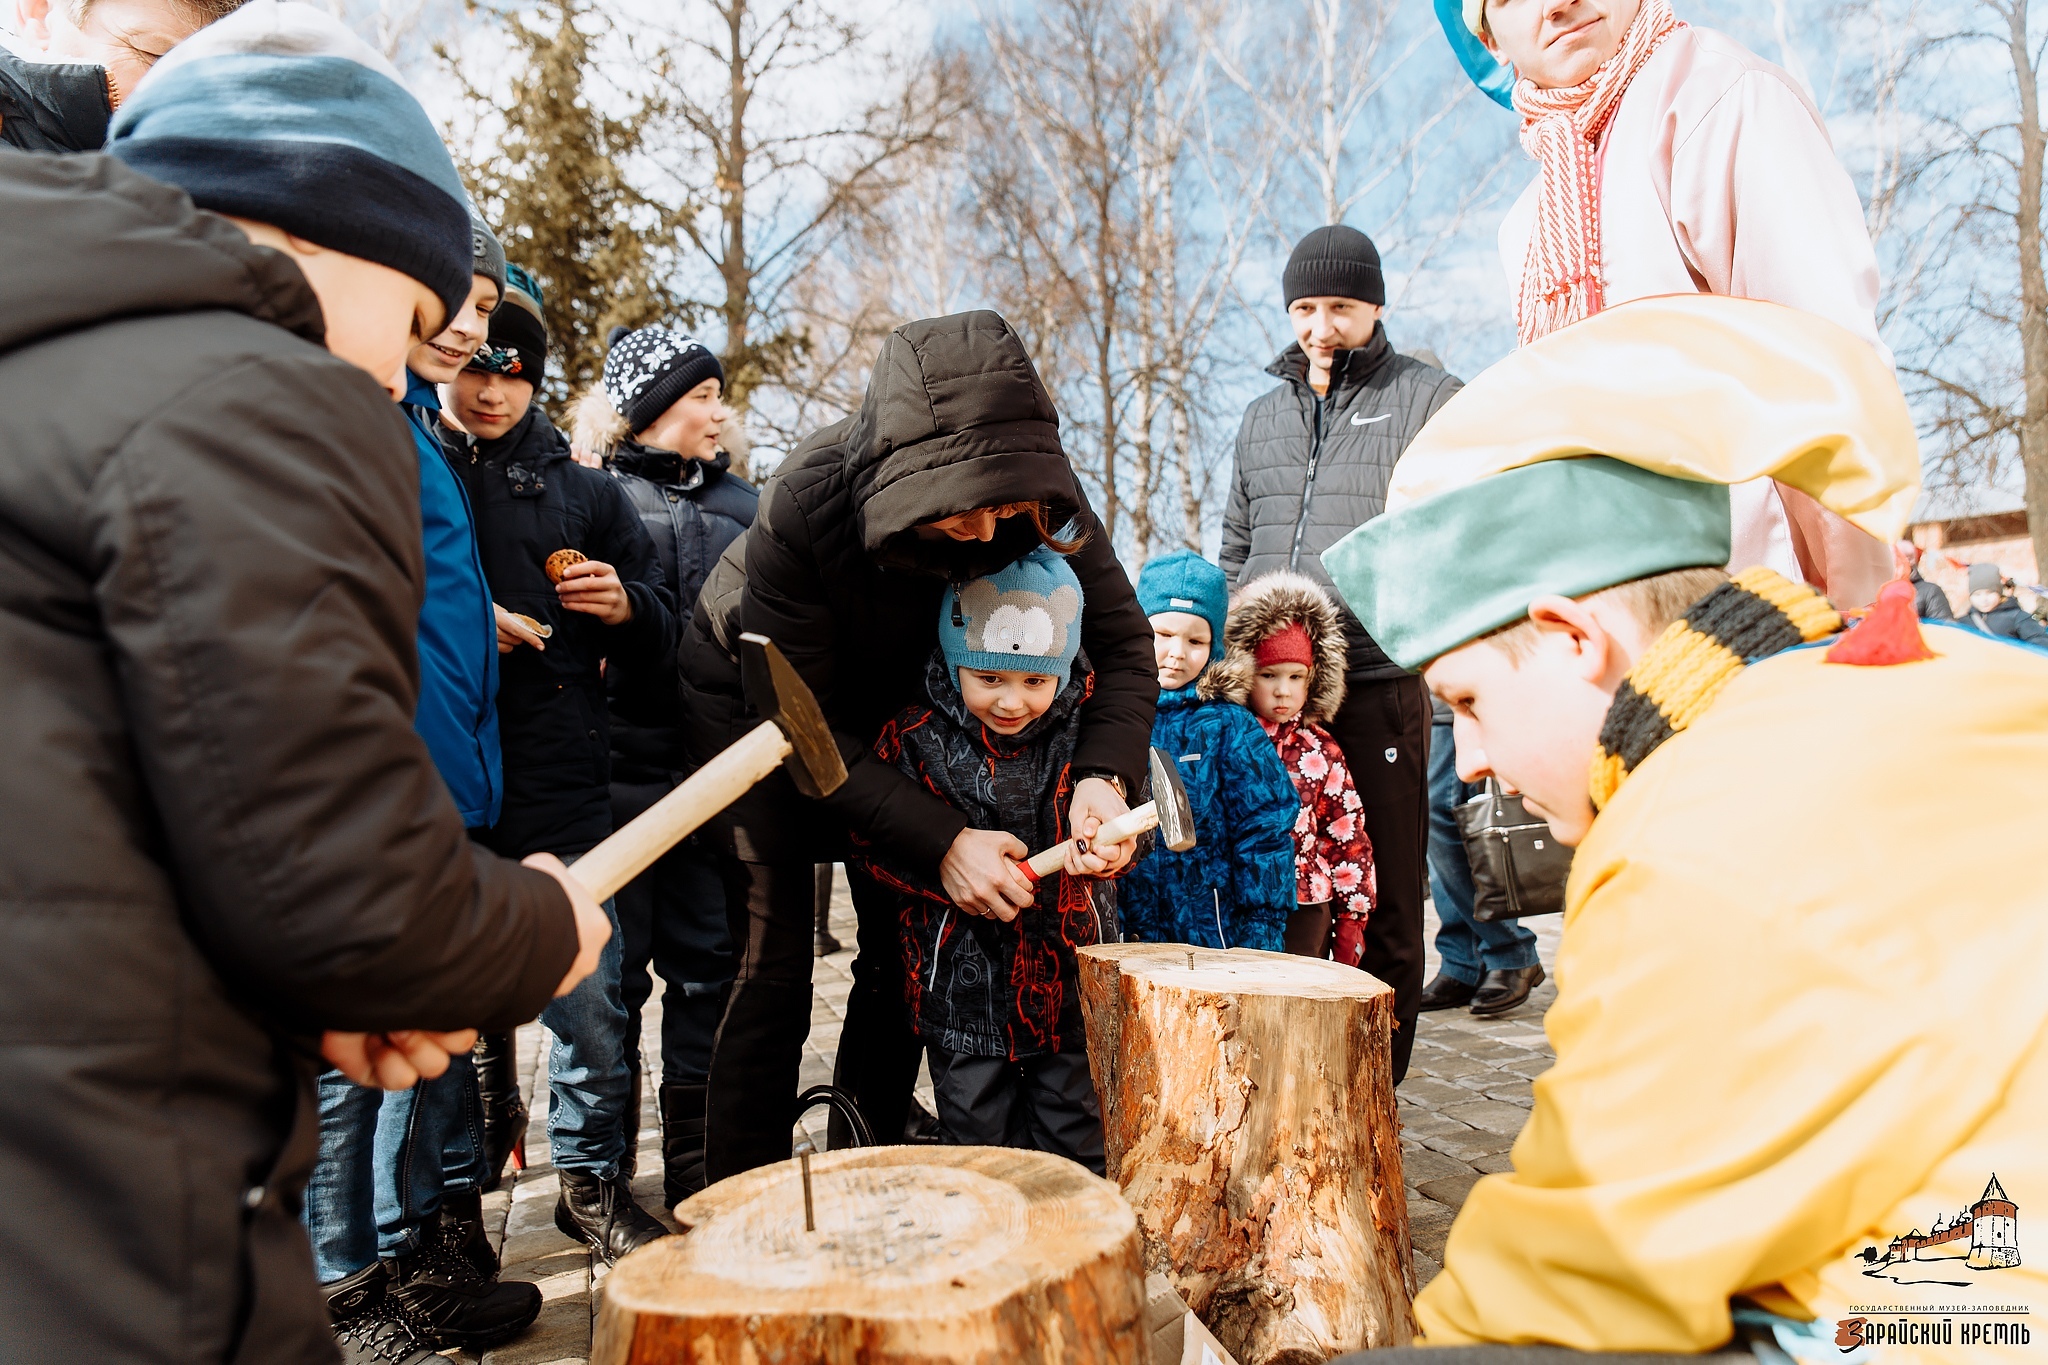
pixel 1561 129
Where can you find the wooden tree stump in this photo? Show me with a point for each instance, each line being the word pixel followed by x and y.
pixel 921 1254
pixel 1248 1115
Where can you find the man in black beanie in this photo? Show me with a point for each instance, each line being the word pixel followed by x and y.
pixel 1312 463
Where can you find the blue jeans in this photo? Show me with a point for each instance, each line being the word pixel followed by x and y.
pixel 590 1080
pixel 385 1157
pixel 1469 948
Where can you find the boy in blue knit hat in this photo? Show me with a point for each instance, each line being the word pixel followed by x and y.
pixel 997 1001
pixel 1235 887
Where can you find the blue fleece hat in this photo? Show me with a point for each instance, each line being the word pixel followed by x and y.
pixel 1184 581
pixel 1023 619
pixel 278 113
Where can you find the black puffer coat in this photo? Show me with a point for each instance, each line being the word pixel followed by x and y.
pixel 1311 469
pixel 955 419
pixel 51 107
pixel 692 509
pixel 531 499
pixel 222 834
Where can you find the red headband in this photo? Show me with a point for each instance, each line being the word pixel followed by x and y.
pixel 1288 645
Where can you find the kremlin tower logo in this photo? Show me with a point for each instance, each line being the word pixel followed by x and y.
pixel 1985 1236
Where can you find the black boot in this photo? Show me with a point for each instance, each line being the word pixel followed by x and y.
pixel 924 1125
pixel 1503 990
pixel 369 1328
pixel 447 1300
pixel 602 1215
pixel 682 1142
pixel 824 945
pixel 460 1228
pixel 497 1081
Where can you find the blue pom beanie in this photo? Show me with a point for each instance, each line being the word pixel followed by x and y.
pixel 1184 581
pixel 278 113
pixel 1023 619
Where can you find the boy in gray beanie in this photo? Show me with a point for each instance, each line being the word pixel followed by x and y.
pixel 1994 611
pixel 996 740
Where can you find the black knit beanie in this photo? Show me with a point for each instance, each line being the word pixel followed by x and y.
pixel 646 371
pixel 1334 262
pixel 518 344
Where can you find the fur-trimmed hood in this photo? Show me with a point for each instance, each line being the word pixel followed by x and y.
pixel 1263 606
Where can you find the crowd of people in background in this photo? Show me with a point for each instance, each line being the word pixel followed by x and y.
pixel 331 652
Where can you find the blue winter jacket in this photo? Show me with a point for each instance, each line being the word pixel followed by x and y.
pixel 458 635
pixel 1235 887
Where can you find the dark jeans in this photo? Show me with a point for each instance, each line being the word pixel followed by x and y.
pixel 1039 1104
pixel 1469 948
pixel 1383 729
pixel 385 1158
pixel 751 1102
pixel 673 916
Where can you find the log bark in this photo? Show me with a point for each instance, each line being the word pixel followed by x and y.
pixel 1248 1116
pixel 921 1254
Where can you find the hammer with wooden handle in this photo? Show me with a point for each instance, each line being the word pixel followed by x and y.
pixel 1168 811
pixel 793 734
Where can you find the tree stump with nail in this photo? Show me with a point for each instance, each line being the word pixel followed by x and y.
pixel 971 1254
pixel 1248 1116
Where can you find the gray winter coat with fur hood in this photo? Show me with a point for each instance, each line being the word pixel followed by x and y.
pixel 1310 469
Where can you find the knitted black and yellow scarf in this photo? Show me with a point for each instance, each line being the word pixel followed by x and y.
pixel 1753 616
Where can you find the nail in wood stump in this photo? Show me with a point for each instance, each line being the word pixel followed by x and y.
pixel 979 1255
pixel 1248 1115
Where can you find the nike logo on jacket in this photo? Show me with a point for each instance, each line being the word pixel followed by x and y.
pixel 1359 419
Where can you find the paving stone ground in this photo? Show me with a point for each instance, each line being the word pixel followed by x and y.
pixel 1465 1099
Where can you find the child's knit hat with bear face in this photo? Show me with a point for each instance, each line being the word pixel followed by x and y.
pixel 1022 619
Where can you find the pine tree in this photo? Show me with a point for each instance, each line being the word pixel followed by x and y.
pixel 555 191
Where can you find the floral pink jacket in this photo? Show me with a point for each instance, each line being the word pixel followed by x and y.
pixel 1332 855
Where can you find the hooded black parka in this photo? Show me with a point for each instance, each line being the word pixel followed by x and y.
pixel 833 571
pixel 222 834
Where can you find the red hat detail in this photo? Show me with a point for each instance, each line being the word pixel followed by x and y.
pixel 1890 633
pixel 1288 645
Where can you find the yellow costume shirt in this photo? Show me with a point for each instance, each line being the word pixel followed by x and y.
pixel 1802 1012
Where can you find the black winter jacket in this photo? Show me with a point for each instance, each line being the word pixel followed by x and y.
pixel 222 834
pixel 2006 619
pixel 1930 603
pixel 955 419
pixel 48 107
pixel 692 509
pixel 1311 469
pixel 530 500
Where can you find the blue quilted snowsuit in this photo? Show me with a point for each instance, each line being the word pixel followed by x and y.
pixel 1235 887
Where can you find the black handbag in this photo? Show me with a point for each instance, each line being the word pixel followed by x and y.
pixel 1518 867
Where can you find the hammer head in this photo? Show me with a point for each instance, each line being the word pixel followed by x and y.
pixel 779 695
pixel 1176 816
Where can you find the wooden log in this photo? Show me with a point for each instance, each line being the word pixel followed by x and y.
pixel 920 1254
pixel 1248 1116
